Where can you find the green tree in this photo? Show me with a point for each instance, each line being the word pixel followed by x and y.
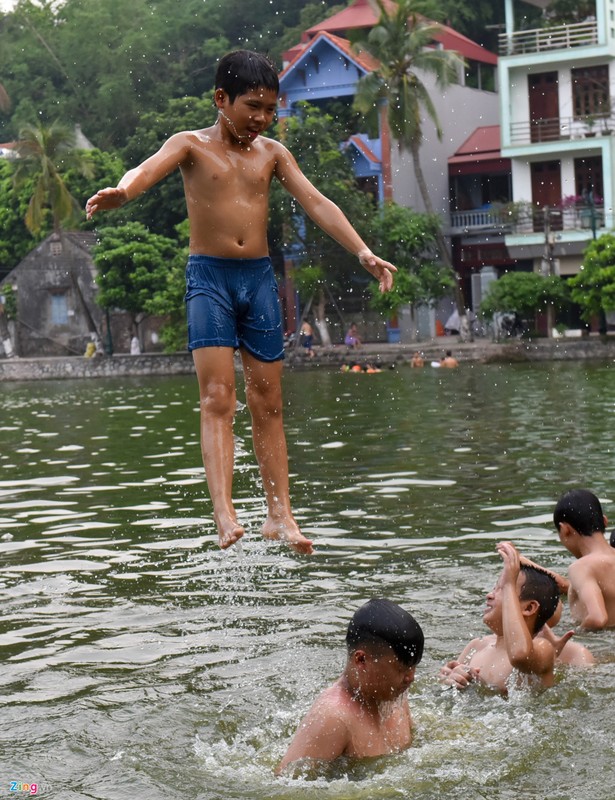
pixel 313 137
pixel 15 239
pixel 409 240
pixel 45 153
pixel 163 207
pixel 168 300
pixel 593 287
pixel 400 42
pixel 525 293
pixel 133 265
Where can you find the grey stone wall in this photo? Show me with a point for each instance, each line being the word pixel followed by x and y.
pixel 481 351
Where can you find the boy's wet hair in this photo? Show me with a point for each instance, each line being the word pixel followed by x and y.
pixel 243 71
pixel 540 586
pixel 581 509
pixel 381 622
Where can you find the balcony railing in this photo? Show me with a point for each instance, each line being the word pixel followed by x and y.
pixel 480 219
pixel 518 219
pixel 554 129
pixel 540 40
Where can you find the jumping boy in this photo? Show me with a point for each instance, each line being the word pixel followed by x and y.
pixel 365 712
pixel 232 296
pixel 581 524
pixel 522 601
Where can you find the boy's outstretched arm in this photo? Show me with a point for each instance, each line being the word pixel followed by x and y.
pixel 328 216
pixel 138 180
pixel 562 583
pixel 527 654
pixel 321 736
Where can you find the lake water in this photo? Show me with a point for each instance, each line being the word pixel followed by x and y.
pixel 140 661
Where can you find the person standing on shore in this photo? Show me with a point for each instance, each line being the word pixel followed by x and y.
pixel 232 295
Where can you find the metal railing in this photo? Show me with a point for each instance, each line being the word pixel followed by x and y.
pixel 553 129
pixel 539 40
pixel 480 219
pixel 518 219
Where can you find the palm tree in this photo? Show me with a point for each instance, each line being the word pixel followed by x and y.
pixel 5 102
pixel 402 44
pixel 44 153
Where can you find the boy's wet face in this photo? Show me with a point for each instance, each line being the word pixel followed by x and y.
pixel 492 616
pixel 386 676
pixel 249 114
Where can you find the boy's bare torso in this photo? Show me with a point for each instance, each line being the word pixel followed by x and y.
pixel 488 656
pixel 389 730
pixel 227 193
pixel 598 568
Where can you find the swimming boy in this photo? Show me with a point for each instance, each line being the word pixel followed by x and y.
pixel 580 522
pixel 232 297
pixel 365 712
pixel 522 601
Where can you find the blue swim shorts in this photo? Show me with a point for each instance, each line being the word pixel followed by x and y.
pixel 233 302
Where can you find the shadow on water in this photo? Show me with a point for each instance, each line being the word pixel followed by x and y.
pixel 139 660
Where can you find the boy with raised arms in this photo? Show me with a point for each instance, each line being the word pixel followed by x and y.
pixel 365 712
pixel 521 602
pixel 232 296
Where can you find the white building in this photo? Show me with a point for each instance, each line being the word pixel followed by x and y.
pixel 557 84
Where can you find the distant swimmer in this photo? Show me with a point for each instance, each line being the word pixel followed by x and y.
pixel 449 361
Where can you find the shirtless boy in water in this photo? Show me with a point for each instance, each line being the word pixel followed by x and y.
pixel 590 586
pixel 521 602
pixel 365 712
pixel 232 296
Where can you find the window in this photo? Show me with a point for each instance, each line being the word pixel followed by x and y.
pixel 588 178
pixel 590 91
pixel 59 309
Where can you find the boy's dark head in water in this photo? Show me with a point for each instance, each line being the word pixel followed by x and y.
pixel 541 587
pixel 582 510
pixel 383 624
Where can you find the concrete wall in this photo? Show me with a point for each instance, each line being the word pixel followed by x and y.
pixel 481 351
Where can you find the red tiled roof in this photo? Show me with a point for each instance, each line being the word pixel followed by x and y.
pixel 361 14
pixel 482 144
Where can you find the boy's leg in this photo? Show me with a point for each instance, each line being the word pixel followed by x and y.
pixel 216 375
pixel 264 398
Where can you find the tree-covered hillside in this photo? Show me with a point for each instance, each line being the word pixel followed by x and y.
pixel 104 63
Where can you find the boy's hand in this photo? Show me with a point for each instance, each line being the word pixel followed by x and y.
pixel 557 642
pixel 457 675
pixel 380 269
pixel 512 562
pixel 105 199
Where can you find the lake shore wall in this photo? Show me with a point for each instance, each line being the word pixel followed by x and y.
pixel 379 354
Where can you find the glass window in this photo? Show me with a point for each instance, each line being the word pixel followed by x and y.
pixel 59 309
pixel 590 91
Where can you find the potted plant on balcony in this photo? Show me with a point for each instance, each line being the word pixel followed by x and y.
pixel 520 214
pixel 590 121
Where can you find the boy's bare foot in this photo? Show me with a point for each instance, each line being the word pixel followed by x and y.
pixel 229 530
pixel 285 529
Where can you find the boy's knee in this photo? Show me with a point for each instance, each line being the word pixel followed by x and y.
pixel 265 400
pixel 218 398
